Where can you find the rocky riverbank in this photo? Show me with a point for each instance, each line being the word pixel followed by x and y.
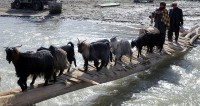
pixel 88 9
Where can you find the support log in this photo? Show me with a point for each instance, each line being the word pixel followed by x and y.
pixel 193 39
pixel 193 31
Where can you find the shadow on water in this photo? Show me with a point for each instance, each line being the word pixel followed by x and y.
pixel 141 82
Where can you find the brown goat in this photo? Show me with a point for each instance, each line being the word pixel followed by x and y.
pixel 37 64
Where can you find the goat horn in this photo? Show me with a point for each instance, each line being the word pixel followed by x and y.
pixel 78 40
pixel 116 36
pixel 83 41
pixel 18 46
pixel 14 47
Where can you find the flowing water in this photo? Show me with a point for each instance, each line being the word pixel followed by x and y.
pixel 176 81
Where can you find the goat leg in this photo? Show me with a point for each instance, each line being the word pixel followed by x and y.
pixel 33 80
pixel 75 62
pixel 47 76
pixel 96 64
pixel 115 61
pixel 139 53
pixel 54 76
pixel 61 72
pixel 69 68
pixel 46 82
pixel 25 82
pixel 103 63
pixel 131 54
pixel 120 58
pixel 106 63
pixel 86 65
pixel 20 83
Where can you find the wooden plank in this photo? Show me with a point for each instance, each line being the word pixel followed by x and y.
pixel 109 5
pixel 84 79
pixel 183 34
pixel 191 34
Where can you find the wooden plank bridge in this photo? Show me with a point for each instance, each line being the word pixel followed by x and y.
pixel 77 79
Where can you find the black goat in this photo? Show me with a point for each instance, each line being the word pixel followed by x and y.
pixel 139 43
pixel 94 52
pixel 36 64
pixel 106 41
pixel 155 40
pixel 69 48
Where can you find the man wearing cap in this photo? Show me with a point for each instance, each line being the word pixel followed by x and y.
pixel 161 19
pixel 176 20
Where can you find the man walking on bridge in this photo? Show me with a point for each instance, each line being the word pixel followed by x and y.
pixel 176 21
pixel 161 19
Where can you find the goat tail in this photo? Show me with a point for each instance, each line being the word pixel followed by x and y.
pixel 70 43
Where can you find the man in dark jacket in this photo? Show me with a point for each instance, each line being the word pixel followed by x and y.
pixel 176 20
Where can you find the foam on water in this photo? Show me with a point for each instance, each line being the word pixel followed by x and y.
pixel 184 92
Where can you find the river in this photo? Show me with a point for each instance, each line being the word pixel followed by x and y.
pixel 173 82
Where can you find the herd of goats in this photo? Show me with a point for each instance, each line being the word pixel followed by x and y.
pixel 48 62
